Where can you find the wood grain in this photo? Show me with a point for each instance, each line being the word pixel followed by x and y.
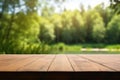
pixel 110 61
pixel 60 63
pixel 41 64
pixel 16 64
pixel 82 64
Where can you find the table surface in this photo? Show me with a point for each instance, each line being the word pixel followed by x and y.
pixel 60 62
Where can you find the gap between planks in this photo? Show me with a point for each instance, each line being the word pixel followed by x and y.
pixel 81 64
pixel 16 64
pixel 110 61
pixel 60 63
pixel 41 64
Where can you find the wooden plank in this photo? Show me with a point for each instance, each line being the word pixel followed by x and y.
pixel 41 64
pixel 7 60
pixel 60 63
pixel 111 61
pixel 81 64
pixel 14 65
pixel 8 57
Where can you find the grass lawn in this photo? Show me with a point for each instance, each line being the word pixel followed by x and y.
pixel 92 52
pixel 87 48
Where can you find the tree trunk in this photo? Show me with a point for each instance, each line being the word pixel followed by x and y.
pixel 4 6
pixel 11 23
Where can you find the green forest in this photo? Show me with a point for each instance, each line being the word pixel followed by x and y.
pixel 33 26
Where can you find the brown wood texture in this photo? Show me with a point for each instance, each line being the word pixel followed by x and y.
pixel 82 64
pixel 60 62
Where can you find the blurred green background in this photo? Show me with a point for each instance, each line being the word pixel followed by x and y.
pixel 33 27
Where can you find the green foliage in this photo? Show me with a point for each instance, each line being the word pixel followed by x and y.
pixel 105 13
pixel 63 48
pixel 98 28
pixel 115 4
pixel 19 32
pixel 25 48
pixel 113 46
pixel 24 31
pixel 94 45
pixel 88 25
pixel 46 30
pixel 77 48
pixel 78 27
pixel 113 30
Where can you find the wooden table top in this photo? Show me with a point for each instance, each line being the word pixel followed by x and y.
pixel 60 62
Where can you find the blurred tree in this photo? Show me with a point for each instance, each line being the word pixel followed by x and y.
pixel 105 13
pixel 57 22
pixel 12 4
pixel 46 31
pixel 98 32
pixel 115 4
pixel 47 11
pixel 78 25
pixel 23 30
pixel 31 5
pixel 113 30
pixel 88 26
pixel 17 26
pixel 66 27
pixel 8 8
pixel 82 9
